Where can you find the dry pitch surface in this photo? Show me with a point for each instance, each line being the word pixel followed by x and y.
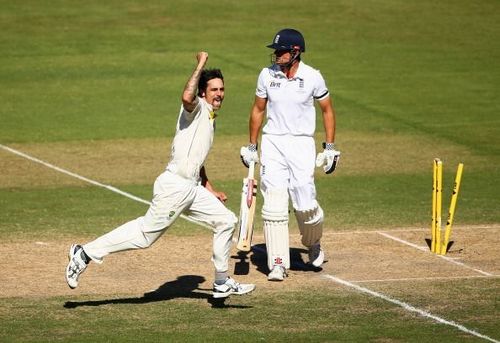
pixel 396 257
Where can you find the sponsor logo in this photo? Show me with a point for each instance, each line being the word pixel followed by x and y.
pixel 278 260
pixel 277 39
pixel 274 84
pixel 171 214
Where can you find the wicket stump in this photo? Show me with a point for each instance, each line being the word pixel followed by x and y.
pixel 438 245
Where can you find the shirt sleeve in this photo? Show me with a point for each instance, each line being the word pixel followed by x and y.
pixel 189 116
pixel 320 90
pixel 261 90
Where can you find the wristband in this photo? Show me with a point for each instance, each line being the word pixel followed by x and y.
pixel 328 146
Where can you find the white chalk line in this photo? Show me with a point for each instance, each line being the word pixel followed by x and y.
pixel 409 307
pixel 93 182
pixel 426 278
pixel 426 249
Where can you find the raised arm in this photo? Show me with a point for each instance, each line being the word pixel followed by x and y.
pixel 189 98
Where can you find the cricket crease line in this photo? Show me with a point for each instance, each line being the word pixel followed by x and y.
pixel 425 249
pixel 409 307
pixel 414 229
pixel 428 278
pixel 93 182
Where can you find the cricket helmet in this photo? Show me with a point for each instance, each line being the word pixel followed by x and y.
pixel 288 39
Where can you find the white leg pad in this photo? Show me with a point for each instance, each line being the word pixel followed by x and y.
pixel 310 224
pixel 275 207
pixel 277 243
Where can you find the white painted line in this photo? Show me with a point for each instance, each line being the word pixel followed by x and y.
pixel 93 182
pixel 409 308
pixel 428 278
pixel 419 247
pixel 426 249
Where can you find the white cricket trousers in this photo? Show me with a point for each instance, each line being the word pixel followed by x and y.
pixel 287 163
pixel 172 195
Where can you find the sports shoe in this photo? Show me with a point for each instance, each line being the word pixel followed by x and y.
pixel 231 287
pixel 316 255
pixel 76 265
pixel 278 273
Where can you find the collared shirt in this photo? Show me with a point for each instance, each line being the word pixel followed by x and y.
pixel 290 102
pixel 193 139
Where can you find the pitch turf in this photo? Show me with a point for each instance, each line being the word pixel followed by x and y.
pixel 94 88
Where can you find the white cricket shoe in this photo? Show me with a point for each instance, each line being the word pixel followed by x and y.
pixel 231 287
pixel 316 255
pixel 76 265
pixel 278 273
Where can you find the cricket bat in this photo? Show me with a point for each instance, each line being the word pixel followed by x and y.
pixel 247 210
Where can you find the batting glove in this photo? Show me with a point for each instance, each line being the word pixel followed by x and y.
pixel 249 154
pixel 329 158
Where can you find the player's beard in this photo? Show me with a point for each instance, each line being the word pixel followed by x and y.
pixel 217 102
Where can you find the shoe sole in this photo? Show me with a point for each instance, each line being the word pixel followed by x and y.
pixel 218 295
pixel 275 278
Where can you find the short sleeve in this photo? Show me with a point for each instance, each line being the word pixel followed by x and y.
pixel 320 90
pixel 261 90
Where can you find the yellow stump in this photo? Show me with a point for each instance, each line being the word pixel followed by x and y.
pixel 433 223
pixel 439 195
pixel 451 211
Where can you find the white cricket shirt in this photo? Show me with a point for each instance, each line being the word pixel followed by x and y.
pixel 193 139
pixel 290 102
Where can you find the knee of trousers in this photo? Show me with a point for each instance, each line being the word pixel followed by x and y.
pixel 304 196
pixel 225 223
pixel 310 224
pixel 275 207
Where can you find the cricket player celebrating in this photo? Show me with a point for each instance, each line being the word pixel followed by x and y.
pixel 286 92
pixel 182 188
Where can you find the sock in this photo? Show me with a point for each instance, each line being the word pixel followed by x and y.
pixel 85 257
pixel 220 277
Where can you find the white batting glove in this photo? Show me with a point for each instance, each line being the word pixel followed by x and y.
pixel 329 158
pixel 249 154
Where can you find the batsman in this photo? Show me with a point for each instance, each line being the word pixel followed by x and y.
pixel 286 93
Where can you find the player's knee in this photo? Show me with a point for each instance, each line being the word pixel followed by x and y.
pixel 275 207
pixel 310 224
pixel 311 217
pixel 226 223
pixel 304 196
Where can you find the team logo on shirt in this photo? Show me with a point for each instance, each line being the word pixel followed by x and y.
pixel 301 83
pixel 274 84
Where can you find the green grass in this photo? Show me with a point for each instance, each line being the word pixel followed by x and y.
pixel 115 69
pixel 345 317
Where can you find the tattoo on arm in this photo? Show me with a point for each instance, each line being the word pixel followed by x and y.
pixel 189 98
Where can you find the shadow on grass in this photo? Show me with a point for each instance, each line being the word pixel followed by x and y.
pixel 259 260
pixel 186 286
